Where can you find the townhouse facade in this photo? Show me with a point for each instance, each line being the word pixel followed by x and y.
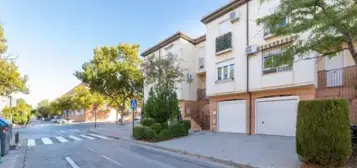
pixel 248 96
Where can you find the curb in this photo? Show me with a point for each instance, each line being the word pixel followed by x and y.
pixel 212 159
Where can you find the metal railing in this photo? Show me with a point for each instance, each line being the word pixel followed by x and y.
pixel 342 77
pixel 201 94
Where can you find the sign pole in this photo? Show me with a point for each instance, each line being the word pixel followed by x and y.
pixel 134 105
pixel 95 115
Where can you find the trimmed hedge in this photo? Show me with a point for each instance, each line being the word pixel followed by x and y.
pixel 156 127
pixel 144 133
pixel 164 125
pixel 148 122
pixel 178 130
pixel 165 134
pixel 323 132
pixel 187 124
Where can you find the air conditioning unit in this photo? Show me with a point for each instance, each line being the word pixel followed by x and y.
pixel 189 77
pixel 251 49
pixel 234 16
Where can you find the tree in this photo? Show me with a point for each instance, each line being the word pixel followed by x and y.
pixel 322 26
pixel 10 78
pixel 84 98
pixel 20 113
pixel 114 72
pixel 64 104
pixel 164 71
pixel 43 108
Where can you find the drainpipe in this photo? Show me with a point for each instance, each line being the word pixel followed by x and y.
pixel 249 93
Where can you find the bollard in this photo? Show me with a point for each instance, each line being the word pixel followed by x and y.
pixel 17 136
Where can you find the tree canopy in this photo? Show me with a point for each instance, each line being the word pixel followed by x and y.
pixel 20 114
pixel 323 26
pixel 11 80
pixel 114 72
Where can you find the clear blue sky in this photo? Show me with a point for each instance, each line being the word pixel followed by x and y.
pixel 54 37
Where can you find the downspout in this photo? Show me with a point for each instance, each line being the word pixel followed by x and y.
pixel 249 93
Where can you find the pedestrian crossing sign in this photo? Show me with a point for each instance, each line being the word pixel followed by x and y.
pixel 133 103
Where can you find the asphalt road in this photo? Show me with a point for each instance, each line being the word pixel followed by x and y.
pixel 70 146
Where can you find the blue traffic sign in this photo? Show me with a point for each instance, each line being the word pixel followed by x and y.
pixel 133 103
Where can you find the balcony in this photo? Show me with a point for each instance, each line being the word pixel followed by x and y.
pixel 224 43
pixel 201 94
pixel 335 78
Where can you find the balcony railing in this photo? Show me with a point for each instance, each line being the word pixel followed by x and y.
pixel 224 42
pixel 201 94
pixel 343 77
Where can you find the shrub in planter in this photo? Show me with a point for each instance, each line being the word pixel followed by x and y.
pixel 148 122
pixel 156 127
pixel 164 125
pixel 144 133
pixel 323 132
pixel 187 124
pixel 165 134
pixel 178 130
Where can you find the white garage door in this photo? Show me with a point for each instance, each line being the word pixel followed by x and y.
pixel 276 116
pixel 232 116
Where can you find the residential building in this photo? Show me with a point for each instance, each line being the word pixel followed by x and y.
pixel 185 48
pixel 245 94
pixel 104 113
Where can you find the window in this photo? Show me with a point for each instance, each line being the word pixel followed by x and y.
pixel 225 72
pixel 268 31
pixel 224 27
pixel 272 61
pixel 219 70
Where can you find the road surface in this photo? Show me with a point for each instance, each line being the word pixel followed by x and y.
pixel 71 146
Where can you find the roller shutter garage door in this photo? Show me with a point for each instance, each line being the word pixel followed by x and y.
pixel 276 116
pixel 232 116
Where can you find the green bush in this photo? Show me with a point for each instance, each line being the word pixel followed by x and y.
pixel 144 133
pixel 187 124
pixel 148 122
pixel 156 127
pixel 164 125
pixel 178 130
pixel 323 132
pixel 165 134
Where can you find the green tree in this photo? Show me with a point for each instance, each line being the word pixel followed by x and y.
pixel 10 78
pixel 83 97
pixel 114 72
pixel 164 71
pixel 323 26
pixel 43 108
pixel 20 113
pixel 65 103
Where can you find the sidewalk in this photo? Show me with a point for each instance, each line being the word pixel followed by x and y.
pixel 227 148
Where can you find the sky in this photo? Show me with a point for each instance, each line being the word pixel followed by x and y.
pixel 54 38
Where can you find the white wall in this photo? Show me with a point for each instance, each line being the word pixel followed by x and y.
pixel 185 50
pixel 237 56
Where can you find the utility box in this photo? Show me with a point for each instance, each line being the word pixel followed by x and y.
pixel 5 143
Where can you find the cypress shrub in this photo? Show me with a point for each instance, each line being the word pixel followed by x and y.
pixel 323 132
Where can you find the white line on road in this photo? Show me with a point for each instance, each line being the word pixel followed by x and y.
pixel 75 138
pixel 46 141
pixel 111 160
pixel 98 136
pixel 91 149
pixel 71 162
pixel 88 137
pixel 31 142
pixel 61 139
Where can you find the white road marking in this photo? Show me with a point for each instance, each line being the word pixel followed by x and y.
pixel 75 138
pixel 61 139
pixel 106 157
pixel 91 149
pixel 46 141
pixel 99 136
pixel 71 162
pixel 31 142
pixel 88 137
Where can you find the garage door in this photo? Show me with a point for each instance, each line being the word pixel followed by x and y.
pixel 232 116
pixel 276 116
